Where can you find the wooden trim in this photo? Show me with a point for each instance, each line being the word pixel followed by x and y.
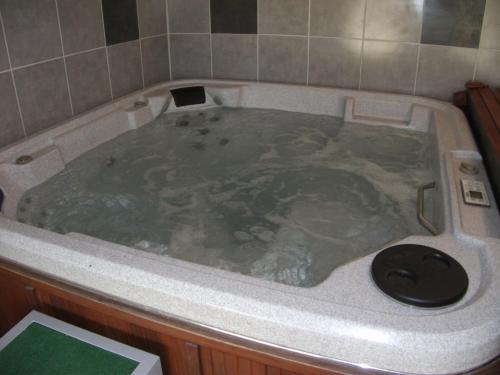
pixel 497 94
pixel 185 349
pixel 63 294
pixel 483 111
pixel 489 113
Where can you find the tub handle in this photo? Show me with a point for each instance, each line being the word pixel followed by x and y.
pixel 420 208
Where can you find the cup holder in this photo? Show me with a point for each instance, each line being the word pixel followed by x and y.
pixel 436 260
pixel 419 275
pixel 402 277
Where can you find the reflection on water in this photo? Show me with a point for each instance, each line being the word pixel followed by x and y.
pixel 276 195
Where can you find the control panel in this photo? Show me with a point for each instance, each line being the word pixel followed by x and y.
pixel 475 193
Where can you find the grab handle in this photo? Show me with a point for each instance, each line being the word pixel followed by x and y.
pixel 420 208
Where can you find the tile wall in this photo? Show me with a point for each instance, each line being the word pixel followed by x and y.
pixel 59 58
pixel 414 47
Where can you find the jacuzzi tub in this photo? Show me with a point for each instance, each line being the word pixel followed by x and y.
pixel 345 319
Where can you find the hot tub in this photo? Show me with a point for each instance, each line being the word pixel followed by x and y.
pixel 335 313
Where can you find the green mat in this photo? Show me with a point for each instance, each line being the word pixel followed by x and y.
pixel 39 350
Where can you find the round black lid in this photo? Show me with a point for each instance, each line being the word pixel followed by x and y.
pixel 419 275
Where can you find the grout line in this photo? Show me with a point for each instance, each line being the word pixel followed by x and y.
pixel 190 33
pixel 489 49
pixel 12 76
pixel 142 64
pixel 392 41
pixel 258 58
pixel 107 52
pixel 5 71
pixel 168 41
pixel 483 26
pixel 153 36
pixel 109 75
pixel 257 43
pixel 64 58
pixel 140 41
pixel 38 63
pixel 333 37
pixel 417 71
pixel 362 47
pixel 125 42
pixel 285 35
pixel 308 42
pixel 476 62
pixel 83 52
pixel 210 30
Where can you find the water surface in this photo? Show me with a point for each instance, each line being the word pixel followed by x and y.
pixel 276 195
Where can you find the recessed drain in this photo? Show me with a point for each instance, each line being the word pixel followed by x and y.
pixel 419 275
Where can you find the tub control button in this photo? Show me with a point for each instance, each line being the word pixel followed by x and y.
pixel 468 168
pixel 474 193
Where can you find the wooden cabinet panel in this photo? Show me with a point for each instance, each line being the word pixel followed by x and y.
pixel 191 358
pixel 178 355
pixel 230 364
pixel 206 361
pixel 17 299
pixel 244 366
pixel 218 363
pixel 258 369
pixel 272 371
pixel 182 351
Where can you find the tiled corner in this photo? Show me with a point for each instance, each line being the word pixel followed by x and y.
pixel 444 70
pixel 32 30
pixel 152 17
pixel 339 18
pixel 155 62
pixel 284 17
pixel 190 56
pixel 334 62
pixel 233 17
pixel 283 59
pixel 189 16
pixel 81 24
pixel 488 67
pixel 125 68
pixel 395 20
pixel 235 56
pixel 11 129
pixel 88 80
pixel 453 22
pixel 4 59
pixel 389 66
pixel 490 37
pixel 43 95
pixel 120 21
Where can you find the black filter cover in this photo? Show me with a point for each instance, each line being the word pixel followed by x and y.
pixel 189 96
pixel 419 275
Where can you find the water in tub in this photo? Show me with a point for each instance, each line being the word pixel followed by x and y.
pixel 277 195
